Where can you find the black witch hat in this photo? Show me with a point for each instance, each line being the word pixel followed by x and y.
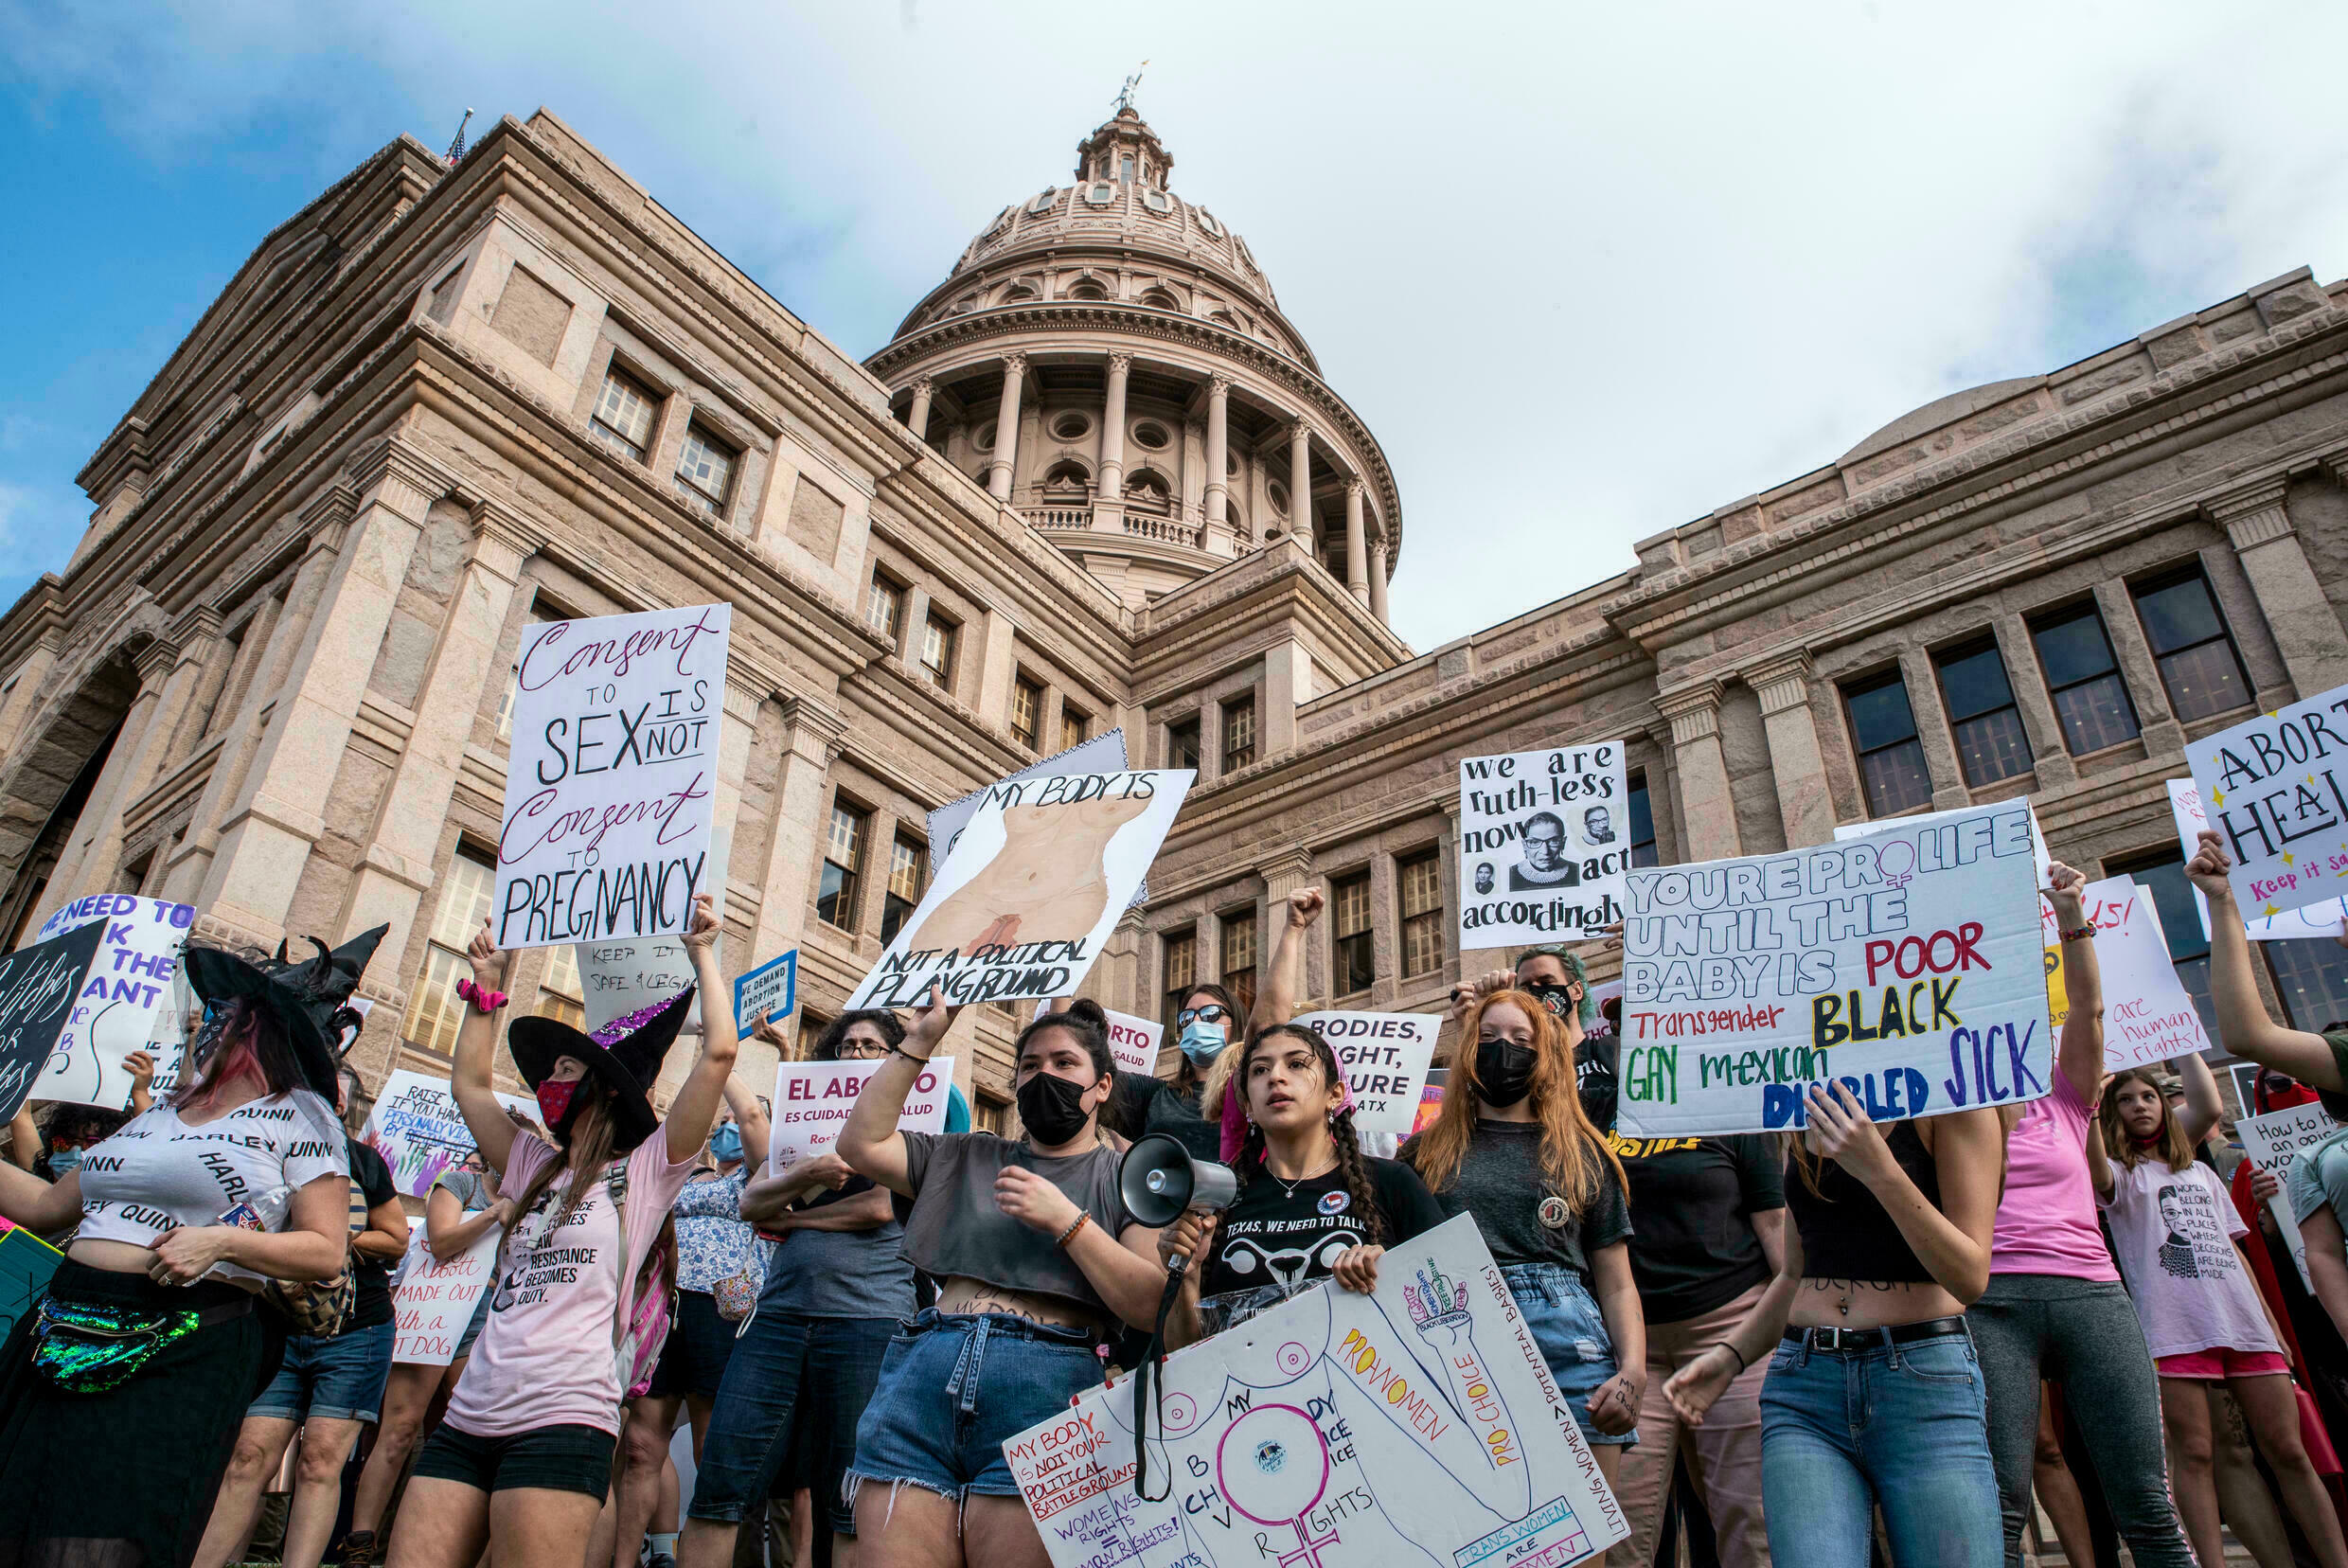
pixel 312 998
pixel 626 1054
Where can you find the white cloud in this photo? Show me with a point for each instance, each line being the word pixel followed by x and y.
pixel 1586 272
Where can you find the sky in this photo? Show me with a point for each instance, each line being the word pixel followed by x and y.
pixel 1587 272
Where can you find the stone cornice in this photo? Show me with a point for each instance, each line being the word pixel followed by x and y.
pixel 1693 712
pixel 1781 682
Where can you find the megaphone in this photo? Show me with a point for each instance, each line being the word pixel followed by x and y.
pixel 1159 1180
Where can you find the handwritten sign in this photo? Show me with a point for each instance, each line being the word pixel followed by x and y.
pixel 27 1264
pixel 2272 1142
pixel 620 977
pixel 45 990
pixel 2043 861
pixel 1102 754
pixel 417 1128
pixel 138 961
pixel 773 988
pixel 1907 964
pixel 1417 1424
pixel 2274 790
pixel 1134 1043
pixel 435 1301
pixel 1031 890
pixel 1385 1057
pixel 609 791
pixel 812 1101
pixel 1544 837
pixel 2320 919
pixel 2149 1016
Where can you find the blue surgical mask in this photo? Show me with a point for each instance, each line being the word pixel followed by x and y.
pixel 1202 1042
pixel 726 1142
pixel 64 1161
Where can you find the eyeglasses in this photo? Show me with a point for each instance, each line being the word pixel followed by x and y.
pixel 1214 1012
pixel 861 1050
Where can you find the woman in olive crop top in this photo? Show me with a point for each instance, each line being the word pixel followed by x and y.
pixel 1873 1397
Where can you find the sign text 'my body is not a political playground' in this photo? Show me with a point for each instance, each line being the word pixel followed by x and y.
pixel 1907 964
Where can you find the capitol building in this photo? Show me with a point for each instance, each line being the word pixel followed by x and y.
pixel 1095 481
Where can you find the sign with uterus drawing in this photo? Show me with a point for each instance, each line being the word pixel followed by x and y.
pixel 1031 890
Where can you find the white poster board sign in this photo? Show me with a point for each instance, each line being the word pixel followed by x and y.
pixel 435 1301
pixel 2272 1142
pixel 418 1131
pixel 2041 859
pixel 617 978
pixel 812 1101
pixel 2320 919
pixel 2272 788
pixel 139 1010
pixel 1418 1424
pixel 1135 1042
pixel 2149 1016
pixel 1032 890
pixel 611 778
pixel 1385 1057
pixel 1907 964
pixel 773 989
pixel 1103 754
pixel 1544 837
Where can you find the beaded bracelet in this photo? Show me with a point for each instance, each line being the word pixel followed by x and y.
pixel 2079 934
pixel 1069 1235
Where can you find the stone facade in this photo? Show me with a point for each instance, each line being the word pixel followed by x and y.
pixel 1095 480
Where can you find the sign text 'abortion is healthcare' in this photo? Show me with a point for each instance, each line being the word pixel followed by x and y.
pixel 2276 789
pixel 608 789
pixel 1907 965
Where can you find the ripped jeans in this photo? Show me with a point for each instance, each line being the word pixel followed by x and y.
pixel 952 1387
pixel 1571 1331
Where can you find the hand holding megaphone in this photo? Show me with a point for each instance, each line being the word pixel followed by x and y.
pixel 1186 1240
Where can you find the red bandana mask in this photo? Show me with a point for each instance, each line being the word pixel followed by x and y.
pixel 554 1098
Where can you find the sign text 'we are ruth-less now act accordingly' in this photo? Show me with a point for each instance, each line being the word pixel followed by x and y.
pixel 1544 837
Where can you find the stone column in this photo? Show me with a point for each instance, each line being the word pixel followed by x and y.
pixel 2160 728
pixel 1356 547
pixel 1218 454
pixel 197 634
pixel 88 863
pixel 1807 804
pixel 396 872
pixel 918 416
pixel 1282 874
pixel 1377 581
pixel 2050 758
pixel 1288 685
pixel 1006 427
pixel 811 740
pixel 998 660
pixel 1702 769
pixel 18 700
pixel 1109 486
pixel 1300 481
pixel 1941 762
pixel 2306 628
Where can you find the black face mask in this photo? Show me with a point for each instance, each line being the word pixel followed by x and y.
pixel 1051 1108
pixel 1504 1072
pixel 1560 1000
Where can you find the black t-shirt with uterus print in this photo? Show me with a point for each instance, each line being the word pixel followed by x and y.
pixel 1275 1240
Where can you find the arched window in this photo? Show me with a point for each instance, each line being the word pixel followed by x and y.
pixel 1158 299
pixel 1149 487
pixel 1018 293
pixel 1067 476
pixel 1222 318
pixel 1087 289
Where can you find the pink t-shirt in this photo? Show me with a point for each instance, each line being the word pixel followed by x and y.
pixel 544 1357
pixel 2046 1223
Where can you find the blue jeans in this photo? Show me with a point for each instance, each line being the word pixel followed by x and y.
pixel 1571 1331
pixel 795 1386
pixel 1896 1426
pixel 954 1386
pixel 341 1379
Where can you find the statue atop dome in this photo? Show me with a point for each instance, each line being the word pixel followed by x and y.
pixel 1124 94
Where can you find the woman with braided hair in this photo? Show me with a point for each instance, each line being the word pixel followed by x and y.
pixel 1312 1205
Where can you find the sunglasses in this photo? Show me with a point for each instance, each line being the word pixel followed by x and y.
pixel 1214 1012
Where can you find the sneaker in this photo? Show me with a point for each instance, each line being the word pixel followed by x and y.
pixel 360 1550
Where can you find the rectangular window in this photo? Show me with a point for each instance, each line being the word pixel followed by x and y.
pixel 1075 726
pixel 843 865
pixel 1420 878
pixel 1026 712
pixel 2091 700
pixel 2163 871
pixel 623 415
pixel 2312 980
pixel 705 470
pixel 1181 744
pixel 540 615
pixel 938 636
pixel 1642 822
pixel 1238 733
pixel 435 1010
pixel 1988 725
pixel 1181 971
pixel 1239 967
pixel 1353 956
pixel 1891 759
pixel 986 1113
pixel 2198 662
pixel 559 996
pixel 909 873
pixel 884 607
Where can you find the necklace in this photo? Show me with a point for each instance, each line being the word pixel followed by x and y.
pixel 1289 1188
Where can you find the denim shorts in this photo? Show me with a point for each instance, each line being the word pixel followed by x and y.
pixel 340 1379
pixel 568 1458
pixel 1571 1331
pixel 952 1387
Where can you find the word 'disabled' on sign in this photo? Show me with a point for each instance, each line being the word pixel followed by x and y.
pixel 1035 884
pixel 1907 964
pixel 1544 837
pixel 1417 1424
pixel 608 789
pixel 2276 789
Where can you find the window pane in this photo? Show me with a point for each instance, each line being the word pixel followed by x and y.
pixel 2204 680
pixel 1026 711
pixel 1895 778
pixel 623 417
pixel 1993 747
pixel 2095 714
pixel 1421 892
pixel 2312 980
pixel 847 835
pixel 1422 884
pixel 835 901
pixel 1180 968
pixel 2073 649
pixel 561 1010
pixel 1879 715
pixel 1239 734
pixel 1422 944
pixel 884 603
pixel 2180 616
pixel 563 973
pixel 1075 724
pixel 937 649
pixel 435 1009
pixel 1974 683
pixel 908 869
pixel 1351 899
pixel 1181 745
pixel 1353 964
pixel 464 899
pixel 1238 940
pixel 704 470
pixel 1642 823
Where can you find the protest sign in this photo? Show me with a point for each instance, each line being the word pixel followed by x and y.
pixel 435 1301
pixel 610 784
pixel 1031 891
pixel 1907 964
pixel 2040 858
pixel 2323 918
pixel 771 990
pixel 1385 1057
pixel 2148 1017
pixel 45 990
pixel 616 978
pixel 812 1101
pixel 1135 1042
pixel 1544 837
pixel 2244 1075
pixel 2274 790
pixel 418 1131
pixel 1415 1424
pixel 2272 1142
pixel 1430 1099
pixel 138 960
pixel 1601 992
pixel 1103 754
pixel 25 1264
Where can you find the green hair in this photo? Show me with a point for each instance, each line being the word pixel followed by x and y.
pixel 1563 954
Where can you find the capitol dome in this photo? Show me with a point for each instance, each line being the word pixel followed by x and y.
pixel 1108 359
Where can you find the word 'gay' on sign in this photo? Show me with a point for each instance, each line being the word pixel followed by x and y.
pixel 1544 837
pixel 2275 788
pixel 1907 964
pixel 611 784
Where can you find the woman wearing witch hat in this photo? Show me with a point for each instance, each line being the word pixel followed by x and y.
pixel 524 1460
pixel 120 1395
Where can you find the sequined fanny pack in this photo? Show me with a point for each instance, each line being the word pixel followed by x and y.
pixel 89 1347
